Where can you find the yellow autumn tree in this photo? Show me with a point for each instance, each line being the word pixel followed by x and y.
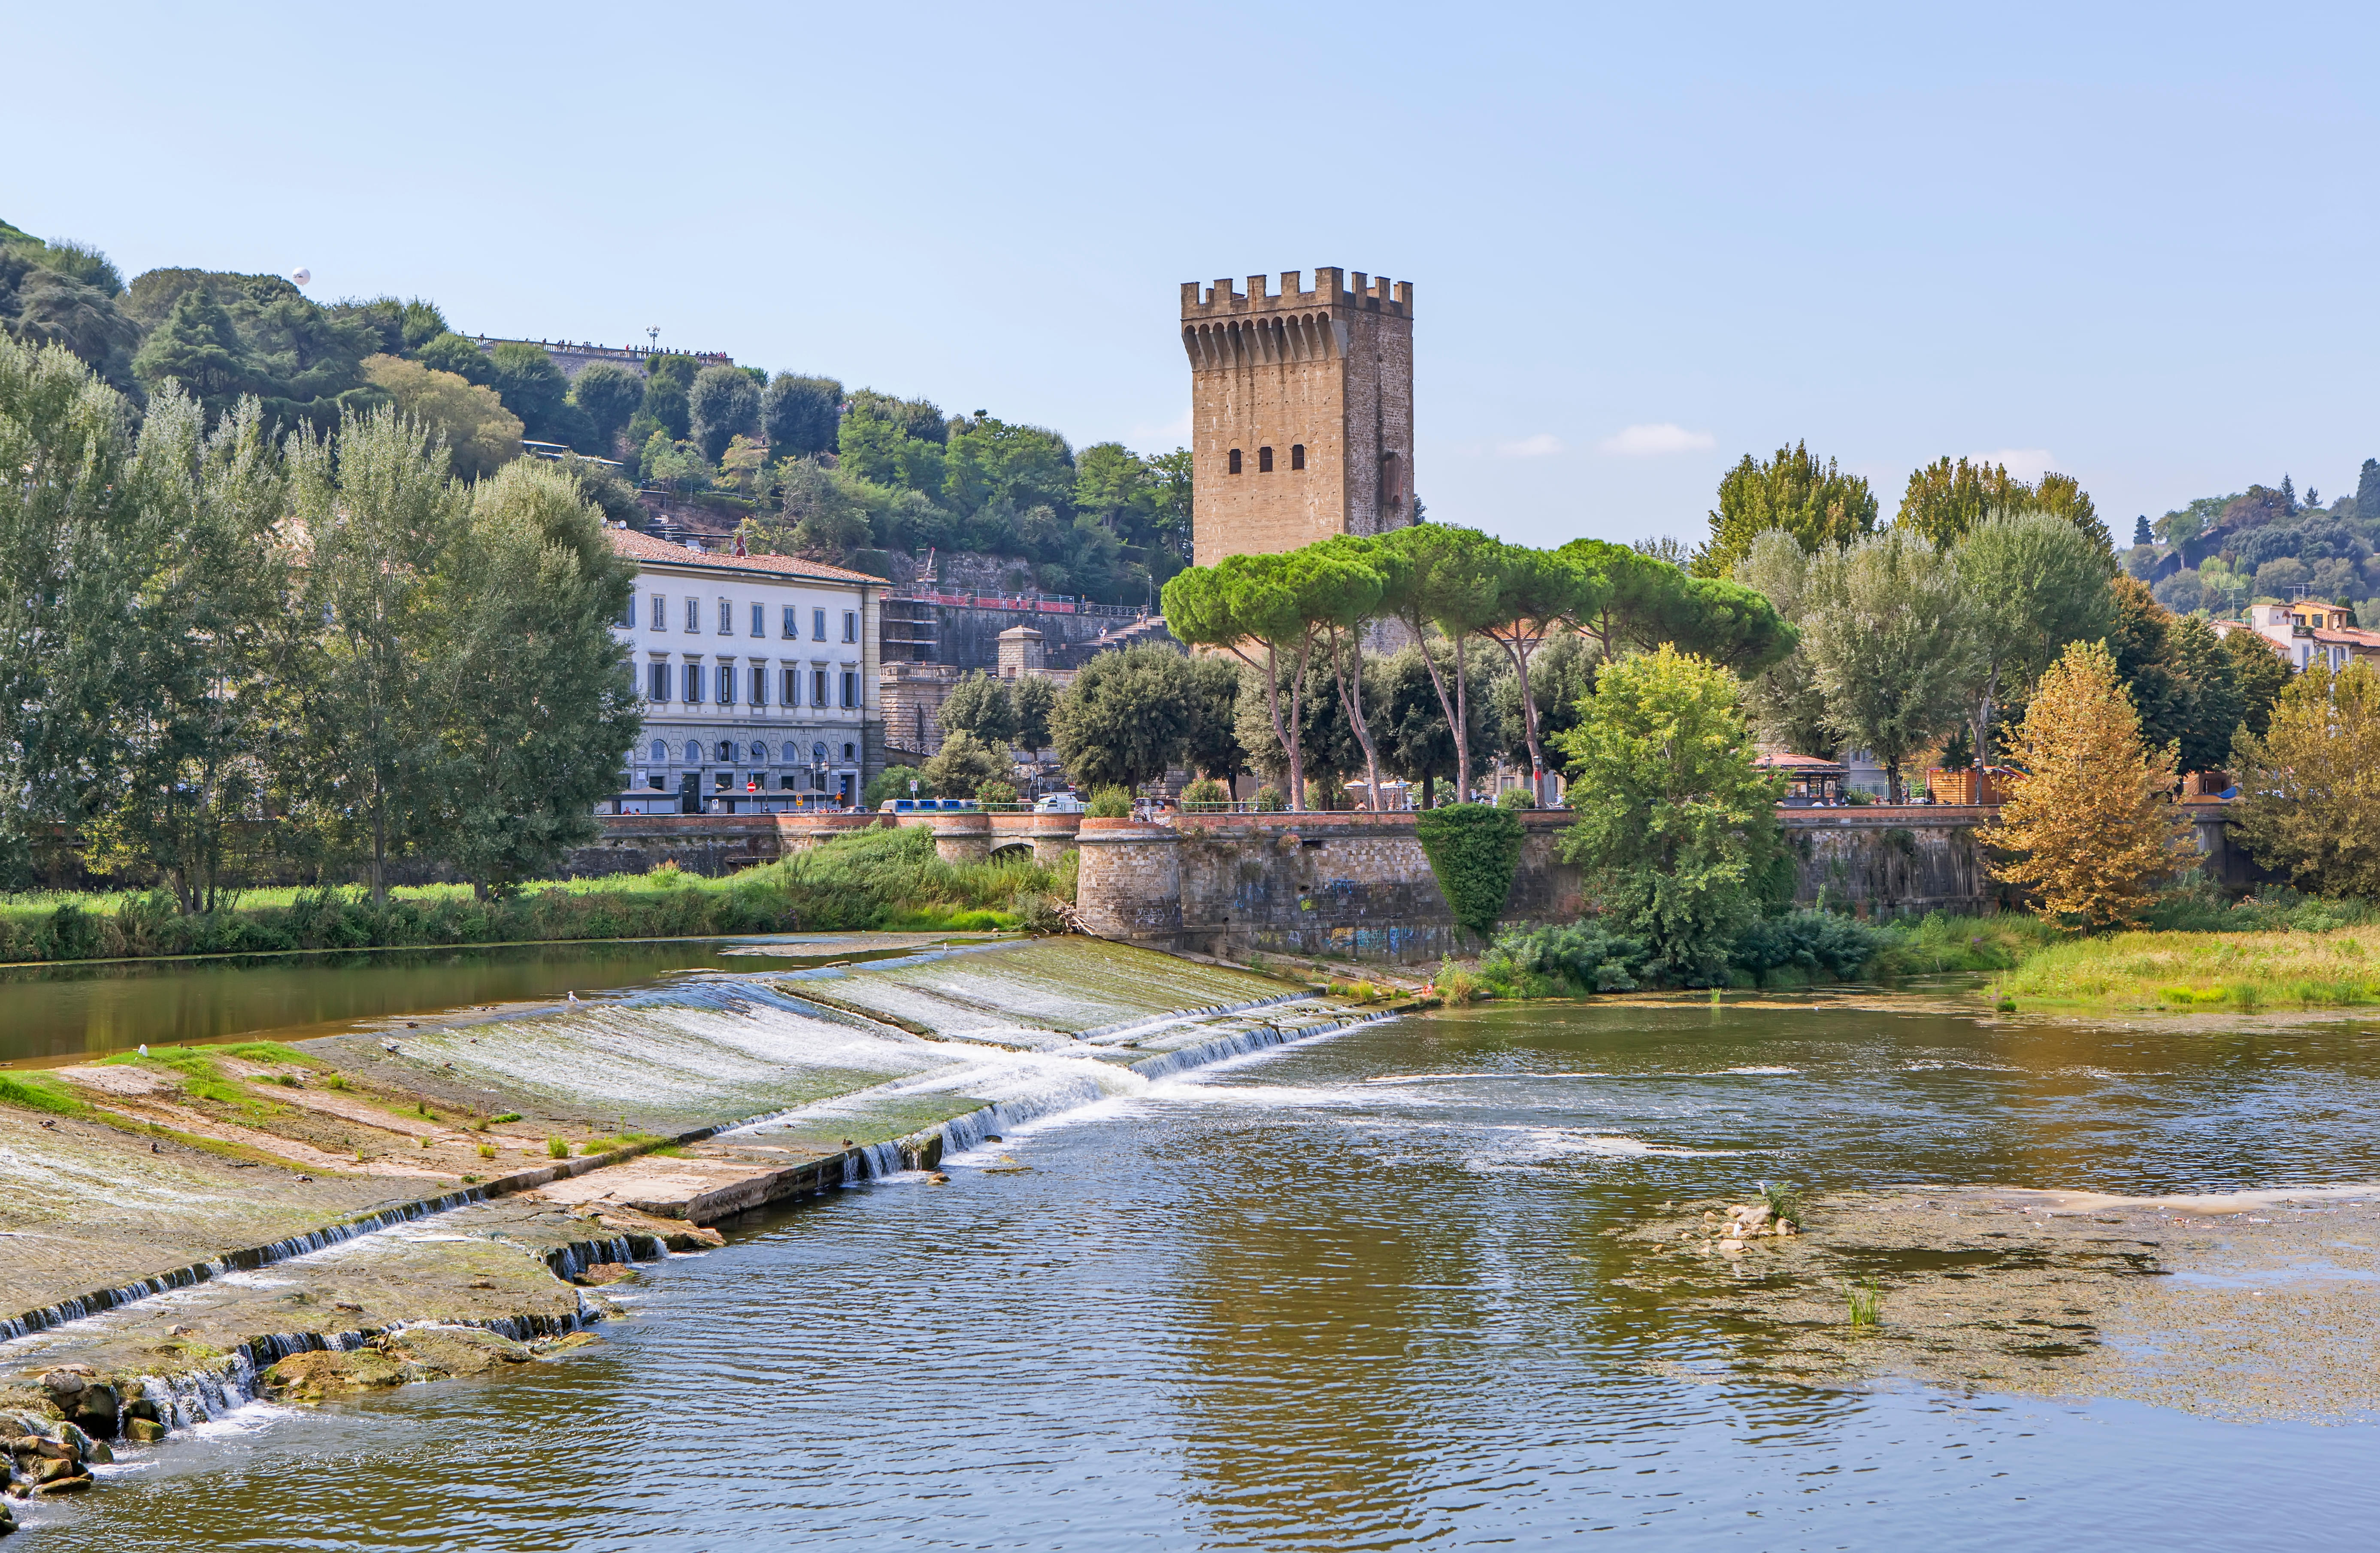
pixel 2091 823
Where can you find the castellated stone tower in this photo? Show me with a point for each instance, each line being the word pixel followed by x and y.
pixel 1301 411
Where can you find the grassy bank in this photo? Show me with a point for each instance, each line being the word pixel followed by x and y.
pixel 872 878
pixel 2277 950
pixel 2179 972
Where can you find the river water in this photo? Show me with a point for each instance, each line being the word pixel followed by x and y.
pixel 1349 1294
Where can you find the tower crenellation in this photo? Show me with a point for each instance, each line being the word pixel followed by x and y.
pixel 1332 287
pixel 1301 409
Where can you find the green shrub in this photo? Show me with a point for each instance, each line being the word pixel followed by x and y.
pixel 1270 800
pixel 1580 956
pixel 1807 940
pixel 1515 798
pixel 1204 792
pixel 555 1148
pixel 1109 802
pixel 1473 850
pixel 995 791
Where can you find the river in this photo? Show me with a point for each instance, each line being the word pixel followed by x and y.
pixel 1349 1294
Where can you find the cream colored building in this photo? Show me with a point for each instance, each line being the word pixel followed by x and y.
pixel 758 675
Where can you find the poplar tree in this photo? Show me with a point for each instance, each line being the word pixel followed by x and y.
pixel 535 705
pixel 1818 503
pixel 377 518
pixel 2089 818
pixel 65 438
pixel 2034 583
pixel 1891 638
pixel 198 658
pixel 1784 698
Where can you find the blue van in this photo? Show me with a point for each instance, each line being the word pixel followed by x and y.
pixel 925 805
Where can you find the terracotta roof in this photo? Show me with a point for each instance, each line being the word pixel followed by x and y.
pixel 643 547
pixel 2351 636
pixel 1799 760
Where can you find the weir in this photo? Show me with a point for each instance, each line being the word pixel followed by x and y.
pixel 764 1085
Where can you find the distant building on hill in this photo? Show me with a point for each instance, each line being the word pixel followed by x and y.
pixel 2309 632
pixel 575 356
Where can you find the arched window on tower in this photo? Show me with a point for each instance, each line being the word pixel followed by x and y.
pixel 1392 484
pixel 1236 461
pixel 1264 460
pixel 1297 455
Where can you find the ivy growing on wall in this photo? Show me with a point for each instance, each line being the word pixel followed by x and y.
pixel 1473 849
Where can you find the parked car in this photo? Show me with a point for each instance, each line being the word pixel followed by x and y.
pixel 1059 803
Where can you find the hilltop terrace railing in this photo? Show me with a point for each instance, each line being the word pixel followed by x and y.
pixel 1043 603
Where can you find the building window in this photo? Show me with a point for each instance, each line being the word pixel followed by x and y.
pixel 660 612
pixel 851 625
pixel 760 619
pixel 818 626
pixel 1264 460
pixel 760 685
pixel 793 624
pixel 718 781
pixel 661 753
pixel 658 783
pixel 818 688
pixel 1236 461
pixel 693 683
pixel 727 752
pixel 726 618
pixel 1297 455
pixel 850 752
pixel 790 688
pixel 693 753
pixel 657 683
pixel 694 614
pixel 727 691
pixel 850 688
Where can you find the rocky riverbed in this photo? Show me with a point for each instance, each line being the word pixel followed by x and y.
pixel 190 1228
pixel 2247 1305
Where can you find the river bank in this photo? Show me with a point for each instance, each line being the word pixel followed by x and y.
pixel 878 878
pixel 303 1219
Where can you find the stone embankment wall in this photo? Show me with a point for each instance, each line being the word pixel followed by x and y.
pixel 1346 884
pixel 1909 859
pixel 1358 885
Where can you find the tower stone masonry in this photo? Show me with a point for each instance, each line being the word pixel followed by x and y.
pixel 1301 411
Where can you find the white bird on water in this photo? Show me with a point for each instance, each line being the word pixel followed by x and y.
pixel 144 1048
pixel 571 997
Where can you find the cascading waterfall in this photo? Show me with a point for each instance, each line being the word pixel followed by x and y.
pixel 246 1260
pixel 1240 1043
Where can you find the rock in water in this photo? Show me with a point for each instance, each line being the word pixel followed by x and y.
pixel 309 1377
pixel 143 1431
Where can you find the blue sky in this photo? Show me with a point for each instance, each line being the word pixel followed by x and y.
pixel 2137 243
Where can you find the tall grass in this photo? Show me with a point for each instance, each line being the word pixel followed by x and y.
pixel 874 879
pixel 2180 971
